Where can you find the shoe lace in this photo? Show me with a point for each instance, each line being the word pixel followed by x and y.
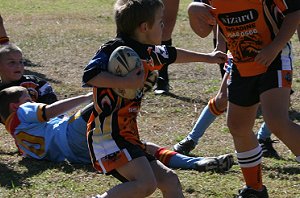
pixel 187 145
pixel 267 145
pixel 269 142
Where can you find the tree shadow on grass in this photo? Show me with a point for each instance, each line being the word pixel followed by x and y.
pixel 9 153
pixel 294 115
pixel 10 178
pixel 28 63
pixel 40 75
pixel 7 175
pixel 284 170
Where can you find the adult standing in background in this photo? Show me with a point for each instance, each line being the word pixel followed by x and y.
pixel 169 19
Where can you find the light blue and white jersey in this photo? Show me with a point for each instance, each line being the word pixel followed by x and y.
pixel 41 139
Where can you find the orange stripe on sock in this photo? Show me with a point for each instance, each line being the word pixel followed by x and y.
pixel 253 177
pixel 164 155
pixel 213 108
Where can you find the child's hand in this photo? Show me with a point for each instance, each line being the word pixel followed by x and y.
pixel 217 57
pixel 267 55
pixel 135 78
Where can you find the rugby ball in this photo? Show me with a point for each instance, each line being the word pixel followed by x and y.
pixel 121 61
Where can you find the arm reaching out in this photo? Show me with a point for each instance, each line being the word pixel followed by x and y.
pixel 185 56
pixel 62 106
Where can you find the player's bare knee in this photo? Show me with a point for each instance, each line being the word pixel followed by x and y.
pixel 235 128
pixel 146 187
pixel 279 126
pixel 171 180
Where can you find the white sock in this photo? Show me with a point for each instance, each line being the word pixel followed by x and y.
pixel 250 158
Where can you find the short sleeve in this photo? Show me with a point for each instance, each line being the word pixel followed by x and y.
pixel 287 6
pixel 163 54
pixel 31 112
pixel 94 67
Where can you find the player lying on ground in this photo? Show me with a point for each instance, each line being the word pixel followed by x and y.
pixel 73 130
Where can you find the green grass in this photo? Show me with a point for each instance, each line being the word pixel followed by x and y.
pixel 33 7
pixel 59 37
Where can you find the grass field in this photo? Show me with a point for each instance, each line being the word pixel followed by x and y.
pixel 58 38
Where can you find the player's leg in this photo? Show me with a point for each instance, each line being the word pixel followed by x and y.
pixel 277 84
pixel 240 122
pixel 141 180
pixel 169 19
pixel 167 180
pixel 275 113
pixel 215 107
pixel 176 160
pixel 170 158
pixel 242 108
pixel 266 143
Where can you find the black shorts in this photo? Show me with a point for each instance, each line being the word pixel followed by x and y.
pixel 135 152
pixel 245 91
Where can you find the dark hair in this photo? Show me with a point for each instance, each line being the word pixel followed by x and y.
pixel 129 14
pixel 7 96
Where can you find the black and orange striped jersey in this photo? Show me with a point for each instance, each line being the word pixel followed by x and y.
pixel 39 89
pixel 114 120
pixel 250 25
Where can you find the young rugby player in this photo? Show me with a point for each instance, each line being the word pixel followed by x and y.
pixel 113 133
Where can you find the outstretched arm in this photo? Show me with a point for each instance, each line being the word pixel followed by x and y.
pixel 186 56
pixel 62 106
